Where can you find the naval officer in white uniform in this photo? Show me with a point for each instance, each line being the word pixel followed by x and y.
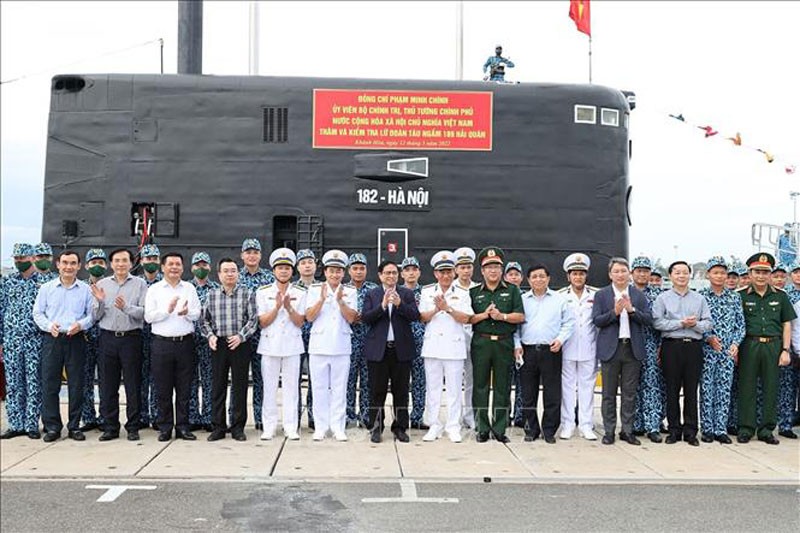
pixel 331 308
pixel 465 259
pixel 445 308
pixel 281 313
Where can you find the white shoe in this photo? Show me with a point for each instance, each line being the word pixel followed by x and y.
pixel 431 435
pixel 267 435
pixel 454 436
pixel 588 434
pixel 566 434
pixel 319 435
pixel 341 436
pixel 293 435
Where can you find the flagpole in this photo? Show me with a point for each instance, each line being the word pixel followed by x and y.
pixel 460 41
pixel 590 59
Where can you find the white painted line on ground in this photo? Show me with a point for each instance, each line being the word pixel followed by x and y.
pixel 115 491
pixel 408 494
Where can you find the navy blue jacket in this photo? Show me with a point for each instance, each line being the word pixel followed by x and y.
pixel 607 322
pixel 377 319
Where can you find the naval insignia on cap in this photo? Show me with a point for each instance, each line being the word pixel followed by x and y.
pixel 464 256
pixel 577 261
pixel 335 258
pixel 282 256
pixel 442 260
pixel 201 256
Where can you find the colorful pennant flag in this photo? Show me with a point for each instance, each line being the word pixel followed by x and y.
pixel 580 13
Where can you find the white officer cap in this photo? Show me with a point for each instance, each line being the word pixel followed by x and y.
pixel 336 258
pixel 282 256
pixel 577 261
pixel 464 256
pixel 442 260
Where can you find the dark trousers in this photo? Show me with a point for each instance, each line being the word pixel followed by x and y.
pixel 68 353
pixel 682 363
pixel 541 366
pixel 120 357
pixel 621 371
pixel 237 361
pixel 380 372
pixel 172 364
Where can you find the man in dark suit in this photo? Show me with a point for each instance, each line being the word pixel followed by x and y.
pixel 620 311
pixel 389 348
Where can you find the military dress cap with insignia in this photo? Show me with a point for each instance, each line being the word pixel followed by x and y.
pixel 335 258
pixel 464 256
pixel 642 262
pixel 42 248
pixel 410 261
pixel 357 259
pixel 22 249
pixel 781 267
pixel 306 253
pixel 251 244
pixel 282 256
pixel 443 259
pixel 149 250
pixel 95 253
pixel 716 261
pixel 577 261
pixel 761 261
pixel 491 255
pixel 201 256
pixel 513 265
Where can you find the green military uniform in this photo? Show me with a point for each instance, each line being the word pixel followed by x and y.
pixel 764 318
pixel 493 348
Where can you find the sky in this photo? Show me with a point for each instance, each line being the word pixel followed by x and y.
pixel 731 65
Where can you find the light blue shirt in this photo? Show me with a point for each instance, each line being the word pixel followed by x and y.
pixel 670 308
pixel 547 318
pixel 57 304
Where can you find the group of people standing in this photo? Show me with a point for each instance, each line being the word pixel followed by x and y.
pixel 176 344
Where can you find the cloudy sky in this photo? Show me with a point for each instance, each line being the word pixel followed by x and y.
pixel 731 65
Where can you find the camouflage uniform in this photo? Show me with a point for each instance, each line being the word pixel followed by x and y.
pixel 418 363
pixel 148 409
pixel 40 250
pixel 201 377
pixel 22 344
pixel 358 364
pixel 89 414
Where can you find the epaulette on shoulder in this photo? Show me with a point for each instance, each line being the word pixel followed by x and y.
pixel 298 285
pixel 267 286
pixel 563 290
pixel 317 284
pixel 349 286
pixel 742 289
pixel 429 285
pixel 592 287
pixel 781 290
pixel 460 288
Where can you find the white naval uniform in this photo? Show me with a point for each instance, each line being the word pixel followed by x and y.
pixel 579 365
pixel 468 417
pixel 445 351
pixel 280 345
pixel 329 358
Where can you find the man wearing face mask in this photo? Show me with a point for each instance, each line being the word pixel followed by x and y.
pixel 95 265
pixel 358 378
pixel 496 65
pixel 200 418
pixel 409 271
pixel 21 342
pixel 43 261
pixel 119 310
pixel 148 412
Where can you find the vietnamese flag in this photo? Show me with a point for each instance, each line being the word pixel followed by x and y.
pixel 579 12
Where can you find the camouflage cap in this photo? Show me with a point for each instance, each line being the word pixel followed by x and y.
pixel 42 248
pixel 513 265
pixel 306 253
pixel 642 262
pixel 201 256
pixel 716 261
pixel 410 261
pixel 357 258
pixel 95 253
pixel 22 249
pixel 149 250
pixel 781 267
pixel 251 244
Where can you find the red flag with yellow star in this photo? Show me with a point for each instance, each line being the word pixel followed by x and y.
pixel 579 12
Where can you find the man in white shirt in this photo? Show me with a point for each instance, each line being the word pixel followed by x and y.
pixel 171 307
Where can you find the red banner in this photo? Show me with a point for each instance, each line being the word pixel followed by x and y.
pixel 580 12
pixel 403 120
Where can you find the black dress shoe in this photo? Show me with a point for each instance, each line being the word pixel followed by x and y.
pixel 133 435
pixel 208 427
pixel 608 439
pixel 11 433
pixel 375 437
pixel 185 435
pixel 76 435
pixel 259 426
pixel 707 437
pixel 401 435
pixel 155 426
pixel 692 441
pixel 630 439
pixel 216 435
pixel 671 439
pixel 769 439
pixel 788 433
pixel 654 436
pixel 164 436
pixel 195 427
pixel 530 437
pixel 743 439
pixel 311 424
pixel 91 426
pixel 638 433
pixel 663 429
pixel 550 439
pixel 420 425
pixel 35 435
pixel 51 436
pixel 237 436
pixel 501 438
pixel 482 437
pixel 108 435
pixel 732 431
pixel 723 439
